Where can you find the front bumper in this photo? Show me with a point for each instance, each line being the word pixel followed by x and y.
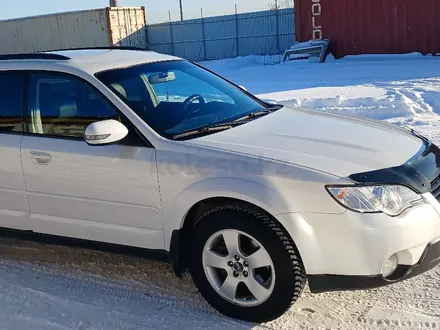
pixel 325 283
pixel 347 251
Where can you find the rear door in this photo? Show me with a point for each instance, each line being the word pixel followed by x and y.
pixel 14 207
pixel 100 193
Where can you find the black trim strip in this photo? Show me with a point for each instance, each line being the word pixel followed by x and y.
pixel 117 249
pixel 175 253
pixel 99 48
pixel 34 56
pixel 26 104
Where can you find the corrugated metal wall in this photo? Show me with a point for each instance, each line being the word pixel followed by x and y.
pixel 371 26
pixel 257 33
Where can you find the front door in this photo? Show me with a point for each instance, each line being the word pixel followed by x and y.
pixel 101 193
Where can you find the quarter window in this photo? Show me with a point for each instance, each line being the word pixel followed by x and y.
pixel 63 106
pixel 11 102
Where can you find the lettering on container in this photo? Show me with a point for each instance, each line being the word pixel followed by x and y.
pixel 316 13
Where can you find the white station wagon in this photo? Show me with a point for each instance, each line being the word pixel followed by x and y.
pixel 140 149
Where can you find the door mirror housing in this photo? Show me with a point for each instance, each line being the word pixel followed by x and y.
pixel 105 132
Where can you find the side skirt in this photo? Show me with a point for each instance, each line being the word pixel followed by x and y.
pixel 157 255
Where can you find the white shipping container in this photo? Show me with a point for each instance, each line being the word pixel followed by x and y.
pixel 115 26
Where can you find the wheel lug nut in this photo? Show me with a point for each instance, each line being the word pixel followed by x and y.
pixel 236 274
pixel 245 264
pixel 245 274
pixel 237 258
pixel 230 263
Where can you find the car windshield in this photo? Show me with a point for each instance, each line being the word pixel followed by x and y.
pixel 177 97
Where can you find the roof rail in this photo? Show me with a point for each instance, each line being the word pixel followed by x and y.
pixel 34 56
pixel 101 48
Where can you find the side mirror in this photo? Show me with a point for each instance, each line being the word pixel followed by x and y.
pixel 242 87
pixel 105 132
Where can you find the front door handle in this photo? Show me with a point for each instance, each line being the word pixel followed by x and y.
pixel 40 158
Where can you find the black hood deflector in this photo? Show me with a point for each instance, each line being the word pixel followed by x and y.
pixel 417 173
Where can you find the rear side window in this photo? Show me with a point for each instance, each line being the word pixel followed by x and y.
pixel 11 102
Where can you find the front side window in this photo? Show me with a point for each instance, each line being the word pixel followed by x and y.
pixel 176 96
pixel 11 102
pixel 63 106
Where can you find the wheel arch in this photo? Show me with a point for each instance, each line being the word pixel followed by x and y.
pixel 202 207
pixel 178 249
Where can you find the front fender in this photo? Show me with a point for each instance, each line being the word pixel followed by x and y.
pixel 260 194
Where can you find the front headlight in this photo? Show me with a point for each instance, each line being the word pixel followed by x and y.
pixel 391 200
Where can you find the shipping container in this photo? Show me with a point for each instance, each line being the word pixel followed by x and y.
pixel 371 26
pixel 115 26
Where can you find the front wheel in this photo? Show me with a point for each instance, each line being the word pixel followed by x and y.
pixel 244 264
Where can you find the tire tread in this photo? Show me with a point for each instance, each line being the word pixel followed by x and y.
pixel 297 267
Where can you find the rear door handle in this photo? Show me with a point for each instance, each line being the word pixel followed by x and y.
pixel 40 158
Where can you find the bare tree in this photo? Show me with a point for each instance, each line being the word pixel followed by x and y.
pixel 278 4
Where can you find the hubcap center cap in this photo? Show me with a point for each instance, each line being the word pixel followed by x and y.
pixel 238 267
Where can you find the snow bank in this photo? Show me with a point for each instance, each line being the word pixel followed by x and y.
pixel 383 87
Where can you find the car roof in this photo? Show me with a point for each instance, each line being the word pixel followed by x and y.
pixel 92 60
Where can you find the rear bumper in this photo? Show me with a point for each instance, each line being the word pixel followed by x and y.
pixel 326 283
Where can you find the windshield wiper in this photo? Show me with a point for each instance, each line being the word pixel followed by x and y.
pixel 225 126
pixel 205 130
pixel 253 115
pixel 260 113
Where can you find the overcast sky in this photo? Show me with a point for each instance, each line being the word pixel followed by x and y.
pixel 157 10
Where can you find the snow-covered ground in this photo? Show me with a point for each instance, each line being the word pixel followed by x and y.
pixel 55 287
pixel 402 89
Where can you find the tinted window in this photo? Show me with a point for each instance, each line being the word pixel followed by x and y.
pixel 11 102
pixel 176 96
pixel 64 106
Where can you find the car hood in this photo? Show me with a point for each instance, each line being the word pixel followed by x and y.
pixel 335 144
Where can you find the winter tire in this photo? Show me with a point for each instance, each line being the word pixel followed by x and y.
pixel 244 264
